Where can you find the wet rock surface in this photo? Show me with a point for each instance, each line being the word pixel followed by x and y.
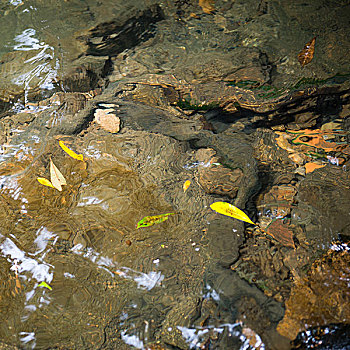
pixel 314 300
pixel 211 95
pixel 325 196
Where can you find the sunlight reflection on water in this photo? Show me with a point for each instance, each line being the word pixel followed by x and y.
pixel 41 60
pixel 39 270
pixel 145 281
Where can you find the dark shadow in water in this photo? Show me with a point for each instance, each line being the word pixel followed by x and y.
pixel 116 38
pixel 333 336
pixel 304 110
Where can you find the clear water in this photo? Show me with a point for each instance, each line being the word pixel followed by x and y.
pixel 106 283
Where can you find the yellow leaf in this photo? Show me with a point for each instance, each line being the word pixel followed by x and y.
pixel 57 179
pixel 186 185
pixel 230 210
pixel 44 284
pixel 45 182
pixel 70 152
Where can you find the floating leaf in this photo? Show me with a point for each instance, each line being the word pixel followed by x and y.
pixel 44 284
pixel 306 55
pixel 151 220
pixel 186 185
pixel 45 182
pixel 230 210
pixel 207 6
pixel 70 152
pixel 57 179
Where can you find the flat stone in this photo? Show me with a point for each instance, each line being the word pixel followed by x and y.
pixel 107 120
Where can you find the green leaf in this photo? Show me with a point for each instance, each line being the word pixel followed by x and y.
pixel 151 220
pixel 44 284
pixel 230 210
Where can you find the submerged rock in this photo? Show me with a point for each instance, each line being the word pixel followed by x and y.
pixel 323 205
pixel 107 120
pixel 322 297
pixel 214 177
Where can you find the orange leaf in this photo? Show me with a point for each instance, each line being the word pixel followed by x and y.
pixel 307 53
pixel 316 138
pixel 310 167
pixel 207 6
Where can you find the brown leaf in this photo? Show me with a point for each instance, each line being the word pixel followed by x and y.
pixel 281 233
pixel 307 53
pixel 108 121
pixel 207 6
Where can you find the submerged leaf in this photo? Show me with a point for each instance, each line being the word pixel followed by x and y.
pixel 57 179
pixel 44 284
pixel 310 167
pixel 186 185
pixel 151 220
pixel 70 152
pixel 45 182
pixel 306 55
pixel 230 210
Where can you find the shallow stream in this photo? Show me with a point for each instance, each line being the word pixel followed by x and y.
pixel 151 96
